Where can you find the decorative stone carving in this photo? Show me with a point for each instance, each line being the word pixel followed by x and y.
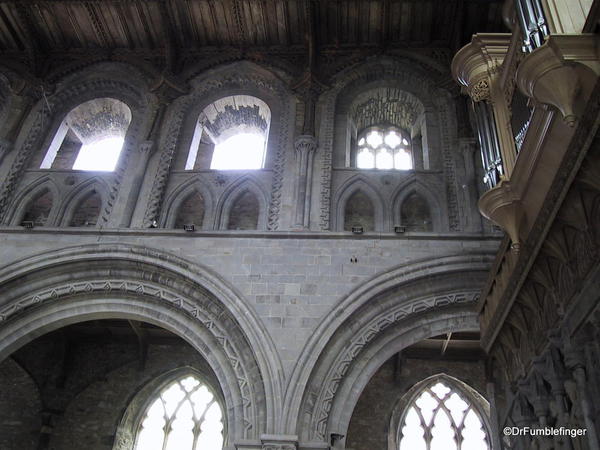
pixel 366 334
pixel 210 317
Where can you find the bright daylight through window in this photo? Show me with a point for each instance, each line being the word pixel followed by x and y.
pixel 241 151
pixel 185 416
pixel 440 418
pixel 101 155
pixel 383 149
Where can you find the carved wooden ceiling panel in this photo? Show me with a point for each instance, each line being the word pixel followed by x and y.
pixel 153 24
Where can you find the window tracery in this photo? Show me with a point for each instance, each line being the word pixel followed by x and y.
pixel 384 148
pixel 442 417
pixel 185 415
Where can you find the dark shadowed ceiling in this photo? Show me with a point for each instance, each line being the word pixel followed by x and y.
pixel 43 33
pixel 63 24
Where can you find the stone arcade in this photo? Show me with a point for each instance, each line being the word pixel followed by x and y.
pixel 299 224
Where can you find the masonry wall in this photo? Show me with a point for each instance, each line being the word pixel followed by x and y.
pixel 80 391
pixel 291 281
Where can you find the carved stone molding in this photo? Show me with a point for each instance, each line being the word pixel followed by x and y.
pixel 209 317
pixel 41 122
pixel 367 333
pixel 170 142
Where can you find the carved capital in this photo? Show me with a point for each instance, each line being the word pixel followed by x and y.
pixel 305 144
pixel 279 442
pixel 561 73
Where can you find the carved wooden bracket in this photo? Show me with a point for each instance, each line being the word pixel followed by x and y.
pixel 504 208
pixel 561 72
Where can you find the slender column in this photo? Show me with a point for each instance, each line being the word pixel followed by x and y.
pixel 305 147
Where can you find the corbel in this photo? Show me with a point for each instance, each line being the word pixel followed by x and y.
pixel 561 73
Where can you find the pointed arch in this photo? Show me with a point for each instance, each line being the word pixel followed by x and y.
pixel 46 116
pixel 413 187
pixel 243 185
pixel 176 199
pixel 29 194
pixel 94 189
pixel 347 191
pixel 461 406
pixel 239 78
pixel 138 404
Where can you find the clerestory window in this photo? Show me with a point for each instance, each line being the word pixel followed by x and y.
pixel 442 417
pixel 185 415
pixel 384 148
pixel 90 137
pixel 231 134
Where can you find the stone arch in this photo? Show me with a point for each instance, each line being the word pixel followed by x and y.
pixel 179 195
pixel 125 435
pixel 347 190
pixel 410 186
pixel 78 195
pixel 28 194
pixel 231 195
pixel 242 77
pixel 475 398
pixel 114 281
pixel 46 116
pixel 384 315
pixel 438 112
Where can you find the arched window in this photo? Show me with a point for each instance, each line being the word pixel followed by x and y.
pixel 359 212
pixel 232 134
pixel 87 211
pixel 415 214
pixel 90 137
pixel 38 209
pixel 384 148
pixel 243 214
pixel 191 211
pixel 185 415
pixel 375 129
pixel 441 416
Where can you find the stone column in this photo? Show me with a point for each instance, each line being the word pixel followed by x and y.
pixel 305 147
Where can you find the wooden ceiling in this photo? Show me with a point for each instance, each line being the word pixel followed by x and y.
pixel 60 25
